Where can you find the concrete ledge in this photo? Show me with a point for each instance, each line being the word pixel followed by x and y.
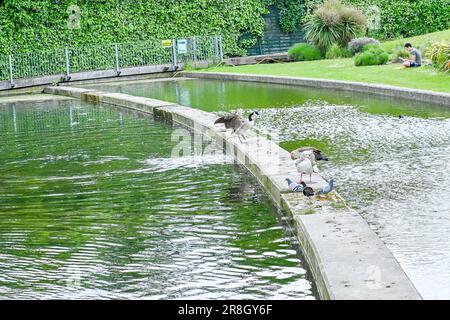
pixel 346 258
pixel 265 58
pixel 361 87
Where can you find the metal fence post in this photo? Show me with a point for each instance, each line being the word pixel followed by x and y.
pixel 216 48
pixel 11 73
pixel 117 60
pixel 220 47
pixel 67 65
pixel 194 48
pixel 174 54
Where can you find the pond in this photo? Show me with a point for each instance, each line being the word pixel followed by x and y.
pixel 390 158
pixel 92 205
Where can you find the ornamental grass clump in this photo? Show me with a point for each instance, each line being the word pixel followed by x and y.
pixel 439 54
pixel 304 52
pixel 334 23
pixel 336 52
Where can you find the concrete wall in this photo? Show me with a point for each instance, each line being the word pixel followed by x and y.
pixel 346 258
pixel 361 87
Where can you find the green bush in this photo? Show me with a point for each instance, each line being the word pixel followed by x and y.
pixel 371 55
pixel 371 46
pixel 439 53
pixel 356 45
pixel 334 23
pixel 304 52
pixel 336 51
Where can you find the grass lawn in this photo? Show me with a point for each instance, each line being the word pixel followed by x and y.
pixel 343 69
pixel 418 41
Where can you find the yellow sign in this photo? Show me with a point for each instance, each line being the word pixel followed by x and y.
pixel 166 43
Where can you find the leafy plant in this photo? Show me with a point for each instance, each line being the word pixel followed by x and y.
pixel 371 55
pixel 334 23
pixel 439 53
pixel 290 13
pixel 304 52
pixel 29 25
pixel 356 45
pixel 336 51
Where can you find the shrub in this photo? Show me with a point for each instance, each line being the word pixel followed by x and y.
pixel 303 52
pixel 399 52
pixel 371 46
pixel 334 23
pixel 336 51
pixel 439 53
pixel 371 55
pixel 356 45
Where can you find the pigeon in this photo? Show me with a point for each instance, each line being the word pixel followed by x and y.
pixel 294 186
pixel 305 165
pixel 238 124
pixel 295 154
pixel 328 188
pixel 300 187
pixel 307 191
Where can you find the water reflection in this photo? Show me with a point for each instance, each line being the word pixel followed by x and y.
pixel 92 206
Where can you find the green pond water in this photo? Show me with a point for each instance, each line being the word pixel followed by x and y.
pixel 92 205
pixel 390 158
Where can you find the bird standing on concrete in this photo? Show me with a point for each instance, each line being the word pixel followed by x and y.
pixel 300 187
pixel 305 165
pixel 238 124
pixel 294 186
pixel 295 154
pixel 328 188
pixel 307 191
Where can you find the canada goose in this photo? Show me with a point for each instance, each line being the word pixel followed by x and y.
pixel 295 154
pixel 305 165
pixel 238 124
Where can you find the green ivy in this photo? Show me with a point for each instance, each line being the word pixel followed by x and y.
pixel 29 25
pixel 290 14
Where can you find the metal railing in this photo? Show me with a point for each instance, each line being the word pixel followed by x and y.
pixel 66 61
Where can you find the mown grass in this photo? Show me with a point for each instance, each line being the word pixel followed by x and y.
pixel 425 78
pixel 418 41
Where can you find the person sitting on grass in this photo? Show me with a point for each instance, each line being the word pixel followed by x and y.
pixel 416 57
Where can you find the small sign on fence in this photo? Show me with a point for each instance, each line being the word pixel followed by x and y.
pixel 182 46
pixel 166 43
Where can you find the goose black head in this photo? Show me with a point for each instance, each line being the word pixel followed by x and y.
pixel 253 116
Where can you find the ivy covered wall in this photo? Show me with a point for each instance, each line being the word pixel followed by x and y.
pixel 27 25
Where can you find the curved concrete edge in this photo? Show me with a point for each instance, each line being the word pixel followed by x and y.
pixel 360 87
pixel 346 258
